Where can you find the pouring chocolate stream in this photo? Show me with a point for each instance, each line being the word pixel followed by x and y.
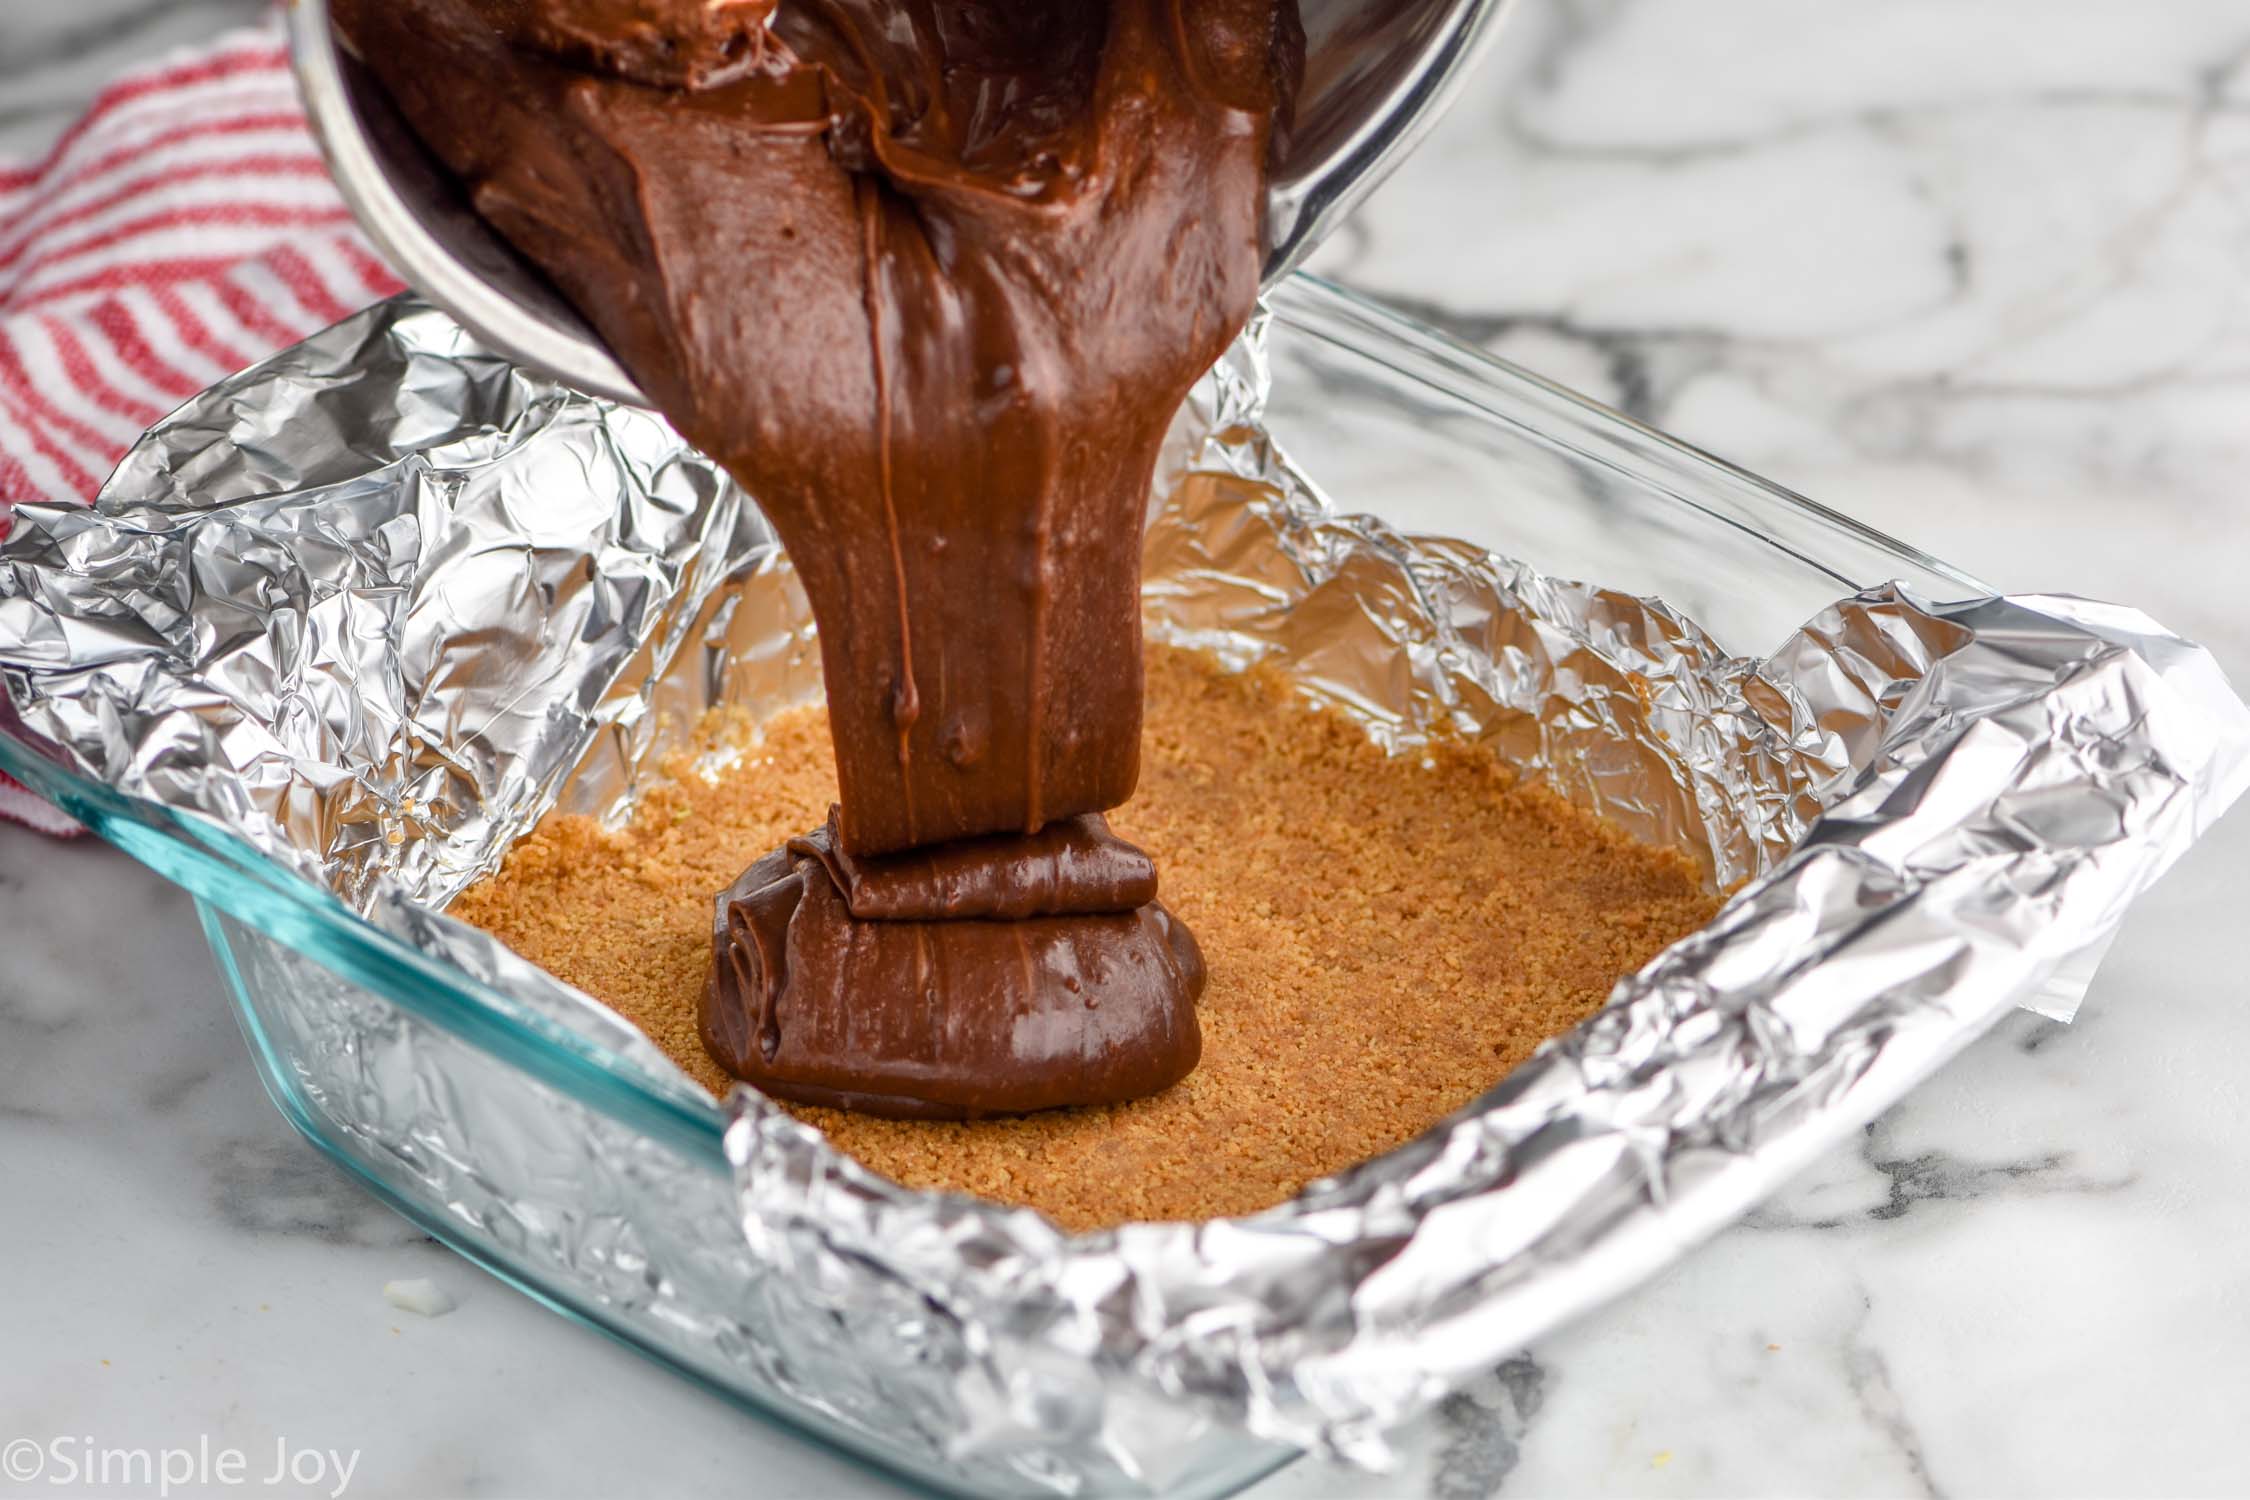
pixel 930 278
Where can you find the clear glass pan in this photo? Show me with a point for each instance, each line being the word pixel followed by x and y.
pixel 1433 435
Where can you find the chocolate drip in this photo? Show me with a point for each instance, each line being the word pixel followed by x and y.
pixel 929 277
pixel 1071 865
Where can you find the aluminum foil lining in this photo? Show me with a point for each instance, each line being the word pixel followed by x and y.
pixel 381 602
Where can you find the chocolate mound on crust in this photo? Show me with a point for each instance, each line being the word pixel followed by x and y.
pixel 1071 865
pixel 946 1018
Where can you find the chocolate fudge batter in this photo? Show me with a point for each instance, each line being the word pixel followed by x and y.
pixel 930 278
pixel 1062 961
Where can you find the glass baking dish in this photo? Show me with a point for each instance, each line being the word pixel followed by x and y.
pixel 1435 436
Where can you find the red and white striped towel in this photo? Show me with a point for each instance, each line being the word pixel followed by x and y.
pixel 182 228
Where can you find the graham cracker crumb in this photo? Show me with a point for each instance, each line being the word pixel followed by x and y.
pixel 1387 937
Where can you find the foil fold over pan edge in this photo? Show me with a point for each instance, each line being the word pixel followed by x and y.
pixel 378 603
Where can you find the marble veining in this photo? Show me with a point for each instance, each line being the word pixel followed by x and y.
pixel 1480 1430
pixel 1977 271
pixel 1893 1185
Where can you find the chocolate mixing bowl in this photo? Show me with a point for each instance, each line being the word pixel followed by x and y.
pixel 1377 75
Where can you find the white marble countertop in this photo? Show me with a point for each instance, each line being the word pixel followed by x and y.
pixel 1977 271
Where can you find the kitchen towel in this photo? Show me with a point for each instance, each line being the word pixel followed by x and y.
pixel 182 228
